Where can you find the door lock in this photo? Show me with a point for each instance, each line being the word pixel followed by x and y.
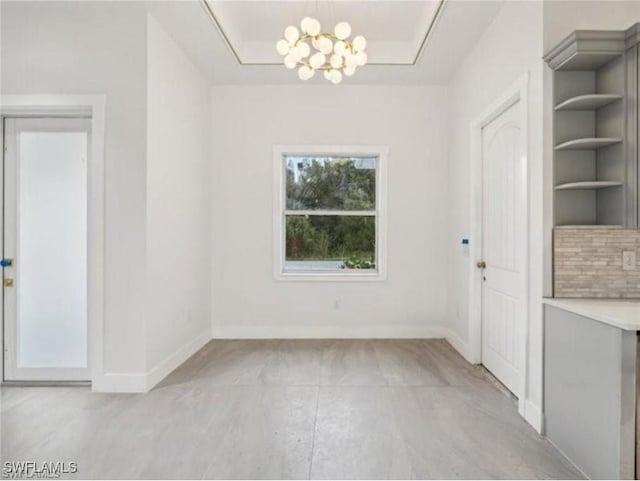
pixel 8 282
pixel 481 265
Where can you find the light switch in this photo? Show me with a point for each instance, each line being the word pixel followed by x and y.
pixel 628 260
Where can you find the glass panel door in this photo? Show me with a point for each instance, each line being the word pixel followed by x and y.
pixel 45 249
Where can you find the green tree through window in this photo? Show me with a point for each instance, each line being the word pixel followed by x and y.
pixel 330 212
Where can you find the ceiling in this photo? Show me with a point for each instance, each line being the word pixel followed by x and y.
pixel 395 30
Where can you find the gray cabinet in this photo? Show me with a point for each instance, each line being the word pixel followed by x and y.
pixel 590 393
pixel 595 128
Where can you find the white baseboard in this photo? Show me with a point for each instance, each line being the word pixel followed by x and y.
pixel 531 412
pixel 533 415
pixel 144 382
pixel 166 366
pixel 459 345
pixel 328 332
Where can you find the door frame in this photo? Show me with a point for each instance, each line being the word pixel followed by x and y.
pixel 518 92
pixel 92 106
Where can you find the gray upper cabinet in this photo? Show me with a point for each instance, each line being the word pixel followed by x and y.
pixel 595 128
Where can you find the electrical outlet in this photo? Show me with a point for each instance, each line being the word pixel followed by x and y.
pixel 628 260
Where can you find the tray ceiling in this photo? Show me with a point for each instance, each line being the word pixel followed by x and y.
pixel 396 31
pixel 459 26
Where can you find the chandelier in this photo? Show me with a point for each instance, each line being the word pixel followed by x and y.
pixel 310 49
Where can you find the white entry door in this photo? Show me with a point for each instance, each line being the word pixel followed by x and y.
pixel 45 249
pixel 504 224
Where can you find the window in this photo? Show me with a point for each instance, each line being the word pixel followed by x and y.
pixel 329 218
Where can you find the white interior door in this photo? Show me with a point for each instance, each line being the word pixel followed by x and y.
pixel 504 218
pixel 45 249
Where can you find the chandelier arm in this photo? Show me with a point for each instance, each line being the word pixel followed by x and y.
pixel 322 67
pixel 305 36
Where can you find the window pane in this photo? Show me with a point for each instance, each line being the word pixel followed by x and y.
pixel 330 243
pixel 331 183
pixel 52 267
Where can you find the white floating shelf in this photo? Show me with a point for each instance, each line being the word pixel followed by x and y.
pixel 588 102
pixel 588 185
pixel 589 143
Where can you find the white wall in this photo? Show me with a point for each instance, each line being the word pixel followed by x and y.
pixel 157 280
pixel 247 123
pixel 511 48
pixel 178 204
pixel 154 272
pixel 87 48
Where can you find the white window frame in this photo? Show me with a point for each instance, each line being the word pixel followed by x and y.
pixel 279 209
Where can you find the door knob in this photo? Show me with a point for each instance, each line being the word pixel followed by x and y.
pixel 481 265
pixel 8 282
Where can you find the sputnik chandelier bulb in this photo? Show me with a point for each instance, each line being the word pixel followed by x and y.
pixel 310 50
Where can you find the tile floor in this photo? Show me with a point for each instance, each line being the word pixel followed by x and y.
pixel 289 409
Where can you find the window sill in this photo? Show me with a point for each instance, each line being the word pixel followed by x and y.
pixel 376 276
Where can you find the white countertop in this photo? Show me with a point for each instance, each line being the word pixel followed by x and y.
pixel 620 313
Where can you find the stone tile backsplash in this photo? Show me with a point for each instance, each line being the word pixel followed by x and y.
pixel 587 262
